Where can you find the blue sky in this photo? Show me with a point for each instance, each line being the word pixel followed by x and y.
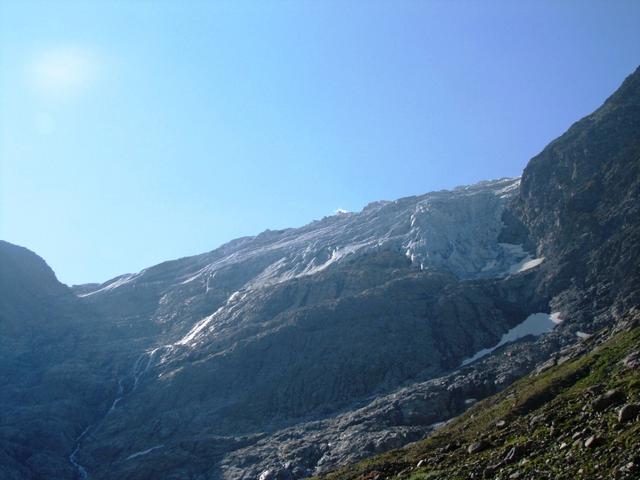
pixel 134 132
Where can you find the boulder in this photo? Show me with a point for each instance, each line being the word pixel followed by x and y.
pixel 608 399
pixel 516 453
pixel 632 360
pixel 478 446
pixel 593 441
pixel 628 412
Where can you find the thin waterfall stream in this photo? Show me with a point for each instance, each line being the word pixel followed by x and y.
pixel 140 367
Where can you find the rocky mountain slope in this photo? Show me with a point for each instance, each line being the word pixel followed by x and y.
pixel 578 207
pixel 424 280
pixel 578 419
pixel 51 373
pixel 296 351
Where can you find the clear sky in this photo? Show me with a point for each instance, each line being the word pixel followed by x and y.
pixel 134 132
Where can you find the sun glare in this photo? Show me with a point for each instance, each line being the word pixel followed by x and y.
pixel 62 72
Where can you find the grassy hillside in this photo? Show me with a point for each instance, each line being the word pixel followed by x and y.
pixel 562 422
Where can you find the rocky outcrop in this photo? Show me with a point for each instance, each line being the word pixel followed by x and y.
pixel 579 204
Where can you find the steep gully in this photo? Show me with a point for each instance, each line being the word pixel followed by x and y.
pixel 139 368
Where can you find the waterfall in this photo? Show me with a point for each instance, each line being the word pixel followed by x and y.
pixel 140 367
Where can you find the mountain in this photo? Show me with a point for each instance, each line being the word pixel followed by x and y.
pixel 578 207
pixel 47 387
pixel 290 326
pixel 296 351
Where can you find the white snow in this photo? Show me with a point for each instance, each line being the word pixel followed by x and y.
pixel 556 318
pixel 523 261
pixel 207 321
pixel 509 189
pixel 197 328
pixel 437 425
pixel 114 283
pixel 197 275
pixel 143 452
pixel 234 296
pixel 535 324
pixel 510 259
pixel 525 264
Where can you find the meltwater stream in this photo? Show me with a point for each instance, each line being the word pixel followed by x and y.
pixel 140 367
pixel 82 472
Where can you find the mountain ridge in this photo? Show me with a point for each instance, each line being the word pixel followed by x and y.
pixel 268 234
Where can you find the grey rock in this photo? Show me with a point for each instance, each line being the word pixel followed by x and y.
pixel 608 399
pixel 593 441
pixel 595 389
pixel 628 412
pixel 478 446
pixel 632 360
pixel 515 453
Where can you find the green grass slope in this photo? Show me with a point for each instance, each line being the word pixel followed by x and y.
pixel 561 422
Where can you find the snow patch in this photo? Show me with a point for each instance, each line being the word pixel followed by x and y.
pixel 195 331
pixel 526 264
pixel 524 261
pixel 509 190
pixel 535 324
pixel 197 328
pixel 117 282
pixel 437 425
pixel 234 296
pixel 556 318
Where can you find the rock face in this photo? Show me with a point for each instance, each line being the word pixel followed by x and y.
pixel 579 204
pixel 295 351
